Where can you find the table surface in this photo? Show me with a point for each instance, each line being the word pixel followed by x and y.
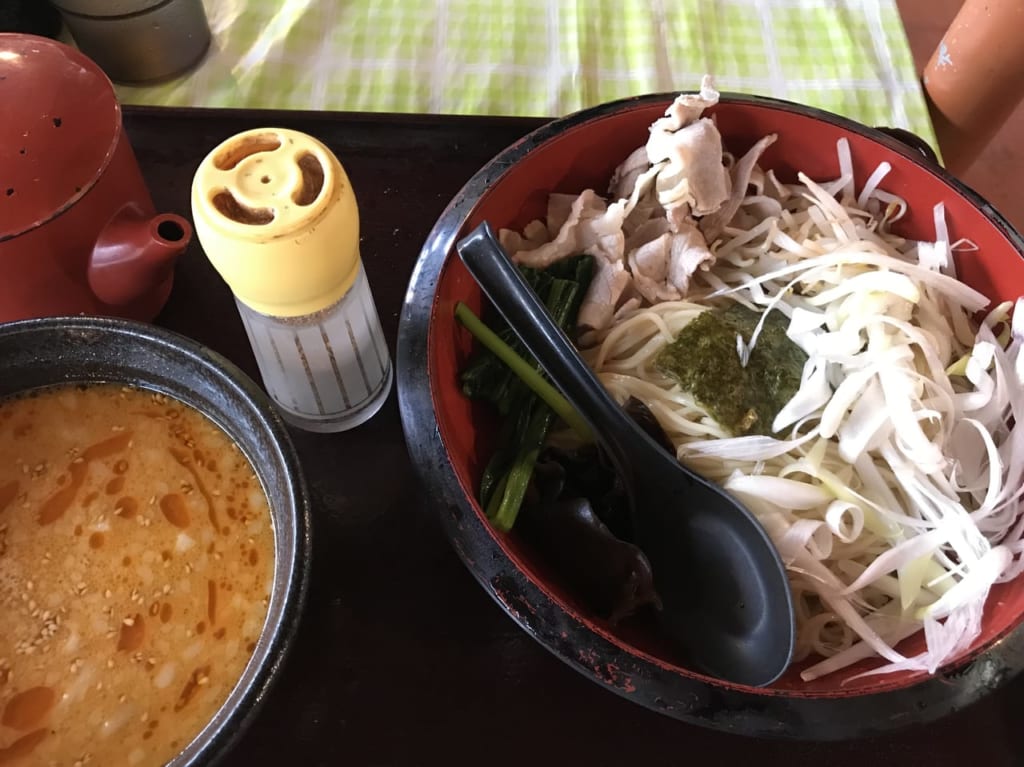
pixel 401 658
pixel 547 57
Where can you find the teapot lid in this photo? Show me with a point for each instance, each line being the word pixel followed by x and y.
pixel 60 129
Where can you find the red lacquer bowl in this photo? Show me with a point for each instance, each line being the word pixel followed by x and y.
pixel 449 436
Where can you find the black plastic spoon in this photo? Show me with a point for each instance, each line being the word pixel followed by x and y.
pixel 725 596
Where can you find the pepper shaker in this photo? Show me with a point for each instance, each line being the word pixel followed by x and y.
pixel 276 214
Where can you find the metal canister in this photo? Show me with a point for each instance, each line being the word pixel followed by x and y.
pixel 137 41
pixel 277 216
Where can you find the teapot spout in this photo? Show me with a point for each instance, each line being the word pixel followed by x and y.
pixel 134 257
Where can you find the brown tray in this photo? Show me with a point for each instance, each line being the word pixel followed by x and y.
pixel 401 658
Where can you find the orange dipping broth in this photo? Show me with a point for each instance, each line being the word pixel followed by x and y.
pixel 136 563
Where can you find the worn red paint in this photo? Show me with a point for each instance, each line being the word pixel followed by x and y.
pixel 608 673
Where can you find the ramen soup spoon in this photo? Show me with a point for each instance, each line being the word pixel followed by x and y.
pixel 725 597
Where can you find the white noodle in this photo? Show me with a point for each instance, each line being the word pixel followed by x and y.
pixel 890 515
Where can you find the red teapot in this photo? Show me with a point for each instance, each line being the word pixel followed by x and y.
pixel 79 233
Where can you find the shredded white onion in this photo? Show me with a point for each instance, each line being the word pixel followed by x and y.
pixel 893 483
pixel 878 393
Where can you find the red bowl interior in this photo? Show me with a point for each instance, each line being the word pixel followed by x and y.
pixel 584 155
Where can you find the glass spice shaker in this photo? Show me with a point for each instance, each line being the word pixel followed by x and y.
pixel 275 212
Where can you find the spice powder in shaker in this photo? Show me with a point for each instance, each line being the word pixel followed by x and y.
pixel 276 215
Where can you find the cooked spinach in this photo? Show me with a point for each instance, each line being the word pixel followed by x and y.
pixel 570 506
pixel 528 419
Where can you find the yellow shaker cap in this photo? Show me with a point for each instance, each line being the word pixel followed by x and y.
pixel 275 212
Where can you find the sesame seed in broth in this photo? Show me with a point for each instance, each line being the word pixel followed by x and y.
pixel 136 558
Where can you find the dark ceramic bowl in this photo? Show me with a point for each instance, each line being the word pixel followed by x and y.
pixel 38 353
pixel 448 436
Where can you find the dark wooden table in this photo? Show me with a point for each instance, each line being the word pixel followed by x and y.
pixel 401 658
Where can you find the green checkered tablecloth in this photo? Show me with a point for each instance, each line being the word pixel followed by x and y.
pixel 548 57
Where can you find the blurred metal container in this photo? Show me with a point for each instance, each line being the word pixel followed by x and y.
pixel 137 41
